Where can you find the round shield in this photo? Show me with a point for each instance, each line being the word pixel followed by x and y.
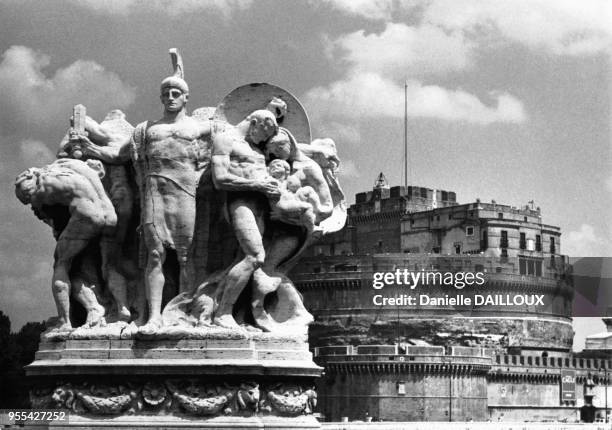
pixel 242 101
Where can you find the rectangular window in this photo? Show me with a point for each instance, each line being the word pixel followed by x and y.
pixel 553 248
pixel 538 244
pixel 503 243
pixel 522 266
pixel 485 240
pixel 504 252
pixel 500 215
pixel 523 241
pixel 530 267
pixel 538 268
pixel 469 231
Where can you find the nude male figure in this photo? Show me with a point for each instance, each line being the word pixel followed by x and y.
pixel 165 154
pixel 77 186
pixel 239 167
pixel 119 190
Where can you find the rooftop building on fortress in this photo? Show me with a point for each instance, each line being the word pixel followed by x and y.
pixel 450 363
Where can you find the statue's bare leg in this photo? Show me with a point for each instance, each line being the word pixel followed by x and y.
pixel 248 227
pixel 84 294
pixel 290 296
pixel 187 272
pixel 183 240
pixel 154 278
pixel 264 284
pixel 65 251
pixel 116 282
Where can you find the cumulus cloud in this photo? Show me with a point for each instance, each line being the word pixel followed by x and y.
pixel 370 9
pixel 34 101
pixel 126 7
pixel 369 95
pixel 401 50
pixel 348 170
pixel 563 27
pixel 342 133
pixel 586 242
pixel 609 184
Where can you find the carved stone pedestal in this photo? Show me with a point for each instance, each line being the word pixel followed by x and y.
pixel 201 380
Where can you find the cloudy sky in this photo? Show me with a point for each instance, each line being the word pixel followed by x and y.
pixel 507 99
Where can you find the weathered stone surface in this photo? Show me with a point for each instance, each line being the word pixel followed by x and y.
pixel 175 237
pixel 489 332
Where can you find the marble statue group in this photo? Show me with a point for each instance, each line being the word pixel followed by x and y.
pixel 189 223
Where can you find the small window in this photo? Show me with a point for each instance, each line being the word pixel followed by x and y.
pixel 525 219
pixel 500 215
pixel 316 270
pixel 504 252
pixel 450 216
pixel 503 242
pixel 538 244
pixel 523 241
pixel 438 218
pixel 457 249
pixel 552 245
pixel 530 267
pixel 469 231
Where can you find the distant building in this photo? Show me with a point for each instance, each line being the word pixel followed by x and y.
pixel 443 362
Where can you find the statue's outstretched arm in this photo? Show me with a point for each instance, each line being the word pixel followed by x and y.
pixel 115 154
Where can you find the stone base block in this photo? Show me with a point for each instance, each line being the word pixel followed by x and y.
pixel 205 383
pixel 178 423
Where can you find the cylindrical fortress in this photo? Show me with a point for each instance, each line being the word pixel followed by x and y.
pixel 418 297
pixel 507 310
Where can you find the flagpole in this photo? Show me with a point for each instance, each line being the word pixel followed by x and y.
pixel 406 135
